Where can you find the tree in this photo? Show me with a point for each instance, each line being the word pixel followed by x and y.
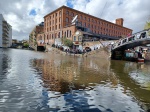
pixel 147 25
pixel 67 42
pixel 26 45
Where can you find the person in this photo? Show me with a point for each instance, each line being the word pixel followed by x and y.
pixel 139 55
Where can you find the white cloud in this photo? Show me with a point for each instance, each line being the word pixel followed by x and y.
pixel 16 12
pixel 134 12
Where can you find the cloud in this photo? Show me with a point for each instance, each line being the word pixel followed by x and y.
pixel 23 15
pixel 134 12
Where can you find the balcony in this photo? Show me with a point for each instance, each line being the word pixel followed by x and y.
pixel 5 42
pixel 5 30
pixel 5 39
pixel 5 25
pixel 5 35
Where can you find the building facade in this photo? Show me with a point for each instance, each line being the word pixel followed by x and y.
pixel 39 29
pixel 5 33
pixel 57 24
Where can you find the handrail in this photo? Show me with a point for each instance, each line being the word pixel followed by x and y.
pixel 137 36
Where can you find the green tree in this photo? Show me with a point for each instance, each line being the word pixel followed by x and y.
pixel 26 45
pixel 67 42
pixel 147 25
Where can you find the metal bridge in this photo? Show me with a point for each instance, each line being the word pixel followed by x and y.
pixel 138 39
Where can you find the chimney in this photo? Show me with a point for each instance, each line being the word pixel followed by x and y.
pixel 119 21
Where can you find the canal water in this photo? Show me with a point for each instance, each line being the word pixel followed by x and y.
pixel 49 82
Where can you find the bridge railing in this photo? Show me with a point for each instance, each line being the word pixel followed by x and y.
pixel 135 37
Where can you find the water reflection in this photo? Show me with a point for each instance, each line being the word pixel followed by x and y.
pixel 43 82
pixel 135 77
pixel 84 84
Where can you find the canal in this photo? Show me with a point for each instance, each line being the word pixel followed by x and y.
pixel 43 82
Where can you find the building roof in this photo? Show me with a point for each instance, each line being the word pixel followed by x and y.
pixel 84 14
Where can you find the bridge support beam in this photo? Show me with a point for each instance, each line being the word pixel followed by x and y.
pixel 118 55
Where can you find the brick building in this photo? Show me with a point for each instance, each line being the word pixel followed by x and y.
pixel 57 24
pixel 39 29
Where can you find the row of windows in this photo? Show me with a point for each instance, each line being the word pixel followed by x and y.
pixel 90 25
pixel 65 34
pixel 101 28
pixel 53 28
pixel 52 22
pixel 109 33
pixel 53 16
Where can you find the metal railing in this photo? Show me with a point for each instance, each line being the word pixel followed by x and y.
pixel 133 38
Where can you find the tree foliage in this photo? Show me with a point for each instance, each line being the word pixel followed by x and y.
pixel 26 45
pixel 67 42
pixel 147 25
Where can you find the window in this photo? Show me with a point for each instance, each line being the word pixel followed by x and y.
pixel 56 14
pixel 59 35
pixel 74 38
pixel 59 26
pixel 67 19
pixel 72 14
pixel 56 27
pixel 67 33
pixel 67 12
pixel 70 33
pixel 59 13
pixel 52 36
pixel 80 38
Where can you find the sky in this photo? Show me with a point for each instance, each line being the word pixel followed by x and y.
pixel 23 15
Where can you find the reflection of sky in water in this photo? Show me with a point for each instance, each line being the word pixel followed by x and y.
pixel 142 78
pixel 100 98
pixel 140 73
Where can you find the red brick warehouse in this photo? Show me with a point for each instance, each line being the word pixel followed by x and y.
pixel 57 24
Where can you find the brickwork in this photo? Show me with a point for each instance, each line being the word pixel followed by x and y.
pixel 56 23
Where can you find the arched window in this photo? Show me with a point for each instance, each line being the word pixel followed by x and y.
pixel 59 35
pixel 62 34
pixel 52 36
pixel 67 33
pixel 55 35
pixel 40 37
pixel 70 33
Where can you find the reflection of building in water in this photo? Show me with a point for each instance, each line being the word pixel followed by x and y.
pixel 74 72
pixel 3 64
pixel 55 75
